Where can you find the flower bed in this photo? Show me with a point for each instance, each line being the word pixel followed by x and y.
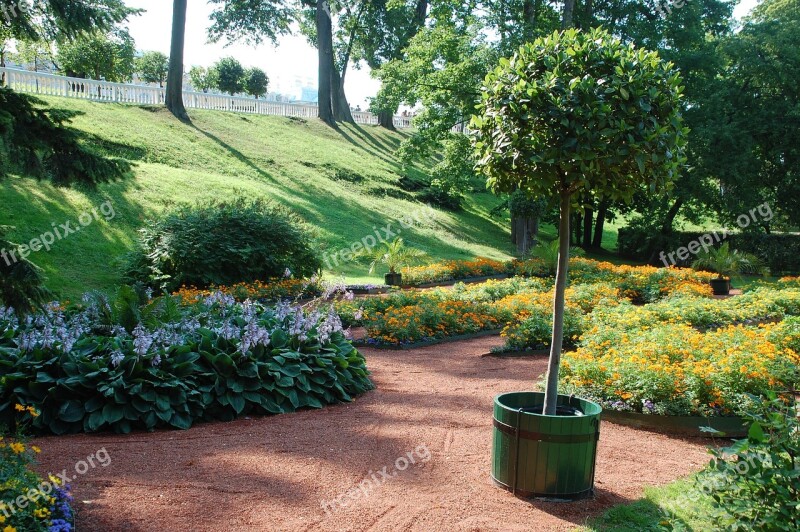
pixel 49 509
pixel 452 270
pixel 640 284
pixel 428 320
pixel 674 369
pixel 264 291
pixel 174 365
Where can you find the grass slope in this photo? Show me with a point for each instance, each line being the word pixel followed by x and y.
pixel 344 183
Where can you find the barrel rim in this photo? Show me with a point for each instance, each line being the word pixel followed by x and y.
pixel 597 409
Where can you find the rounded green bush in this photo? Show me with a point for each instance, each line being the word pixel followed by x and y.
pixel 222 243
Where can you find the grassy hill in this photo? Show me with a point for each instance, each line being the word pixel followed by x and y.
pixel 344 183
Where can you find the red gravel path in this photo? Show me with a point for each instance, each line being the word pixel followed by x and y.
pixel 273 473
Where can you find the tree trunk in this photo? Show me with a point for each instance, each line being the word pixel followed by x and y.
pixel 666 229
pixel 386 120
pixel 577 223
pixel 174 96
pixel 523 232
pixel 557 341
pixel 341 107
pixel 602 212
pixel 325 52
pixel 669 219
pixel 3 65
pixel 588 215
pixel 529 9
pixel 566 21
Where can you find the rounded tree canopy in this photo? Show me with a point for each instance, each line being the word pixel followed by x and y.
pixel 580 111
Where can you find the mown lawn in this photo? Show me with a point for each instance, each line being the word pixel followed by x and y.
pixel 344 183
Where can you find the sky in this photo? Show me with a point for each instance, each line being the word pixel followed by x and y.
pixel 290 65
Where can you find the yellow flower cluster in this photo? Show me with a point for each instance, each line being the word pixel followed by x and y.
pixel 29 409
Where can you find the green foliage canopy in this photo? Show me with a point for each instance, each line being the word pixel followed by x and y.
pixel 580 111
pixel 108 56
pixel 256 82
pixel 153 67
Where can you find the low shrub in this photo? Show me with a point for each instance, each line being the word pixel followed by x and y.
pixel 755 482
pixel 215 360
pixel 222 243
pixel 777 251
pixel 21 282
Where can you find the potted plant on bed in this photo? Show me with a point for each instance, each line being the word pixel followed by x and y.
pixel 395 255
pixel 570 116
pixel 726 263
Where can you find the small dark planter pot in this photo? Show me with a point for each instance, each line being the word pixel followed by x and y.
pixel 534 455
pixel 721 287
pixel 393 279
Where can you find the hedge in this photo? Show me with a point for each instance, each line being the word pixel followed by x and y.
pixel 778 251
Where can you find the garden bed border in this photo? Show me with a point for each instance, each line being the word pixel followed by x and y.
pixel 426 343
pixel 733 427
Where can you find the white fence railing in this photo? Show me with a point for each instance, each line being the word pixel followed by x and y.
pixel 105 91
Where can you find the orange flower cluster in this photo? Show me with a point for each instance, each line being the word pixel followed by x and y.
pixel 428 320
pixel 676 370
pixel 452 270
pixel 257 290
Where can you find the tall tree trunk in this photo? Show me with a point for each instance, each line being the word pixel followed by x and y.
pixel 523 232
pixel 566 21
pixel 386 116
pixel 174 97
pixel 420 15
pixel 529 10
pixel 577 223
pixel 326 67
pixel 557 341
pixel 386 120
pixel 341 107
pixel 588 215
pixel 3 65
pixel 602 212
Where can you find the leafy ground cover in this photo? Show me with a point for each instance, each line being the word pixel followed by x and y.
pixel 128 364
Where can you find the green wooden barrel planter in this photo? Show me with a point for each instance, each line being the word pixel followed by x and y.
pixel 732 427
pixel 534 455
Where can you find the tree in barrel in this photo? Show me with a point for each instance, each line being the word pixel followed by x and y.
pixel 579 114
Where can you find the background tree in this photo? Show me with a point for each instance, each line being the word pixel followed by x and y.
pixel 36 54
pixel 579 113
pixel 62 19
pixel 203 79
pixel 153 67
pixel 230 75
pixel 174 96
pixel 107 56
pixel 752 124
pixel 256 82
